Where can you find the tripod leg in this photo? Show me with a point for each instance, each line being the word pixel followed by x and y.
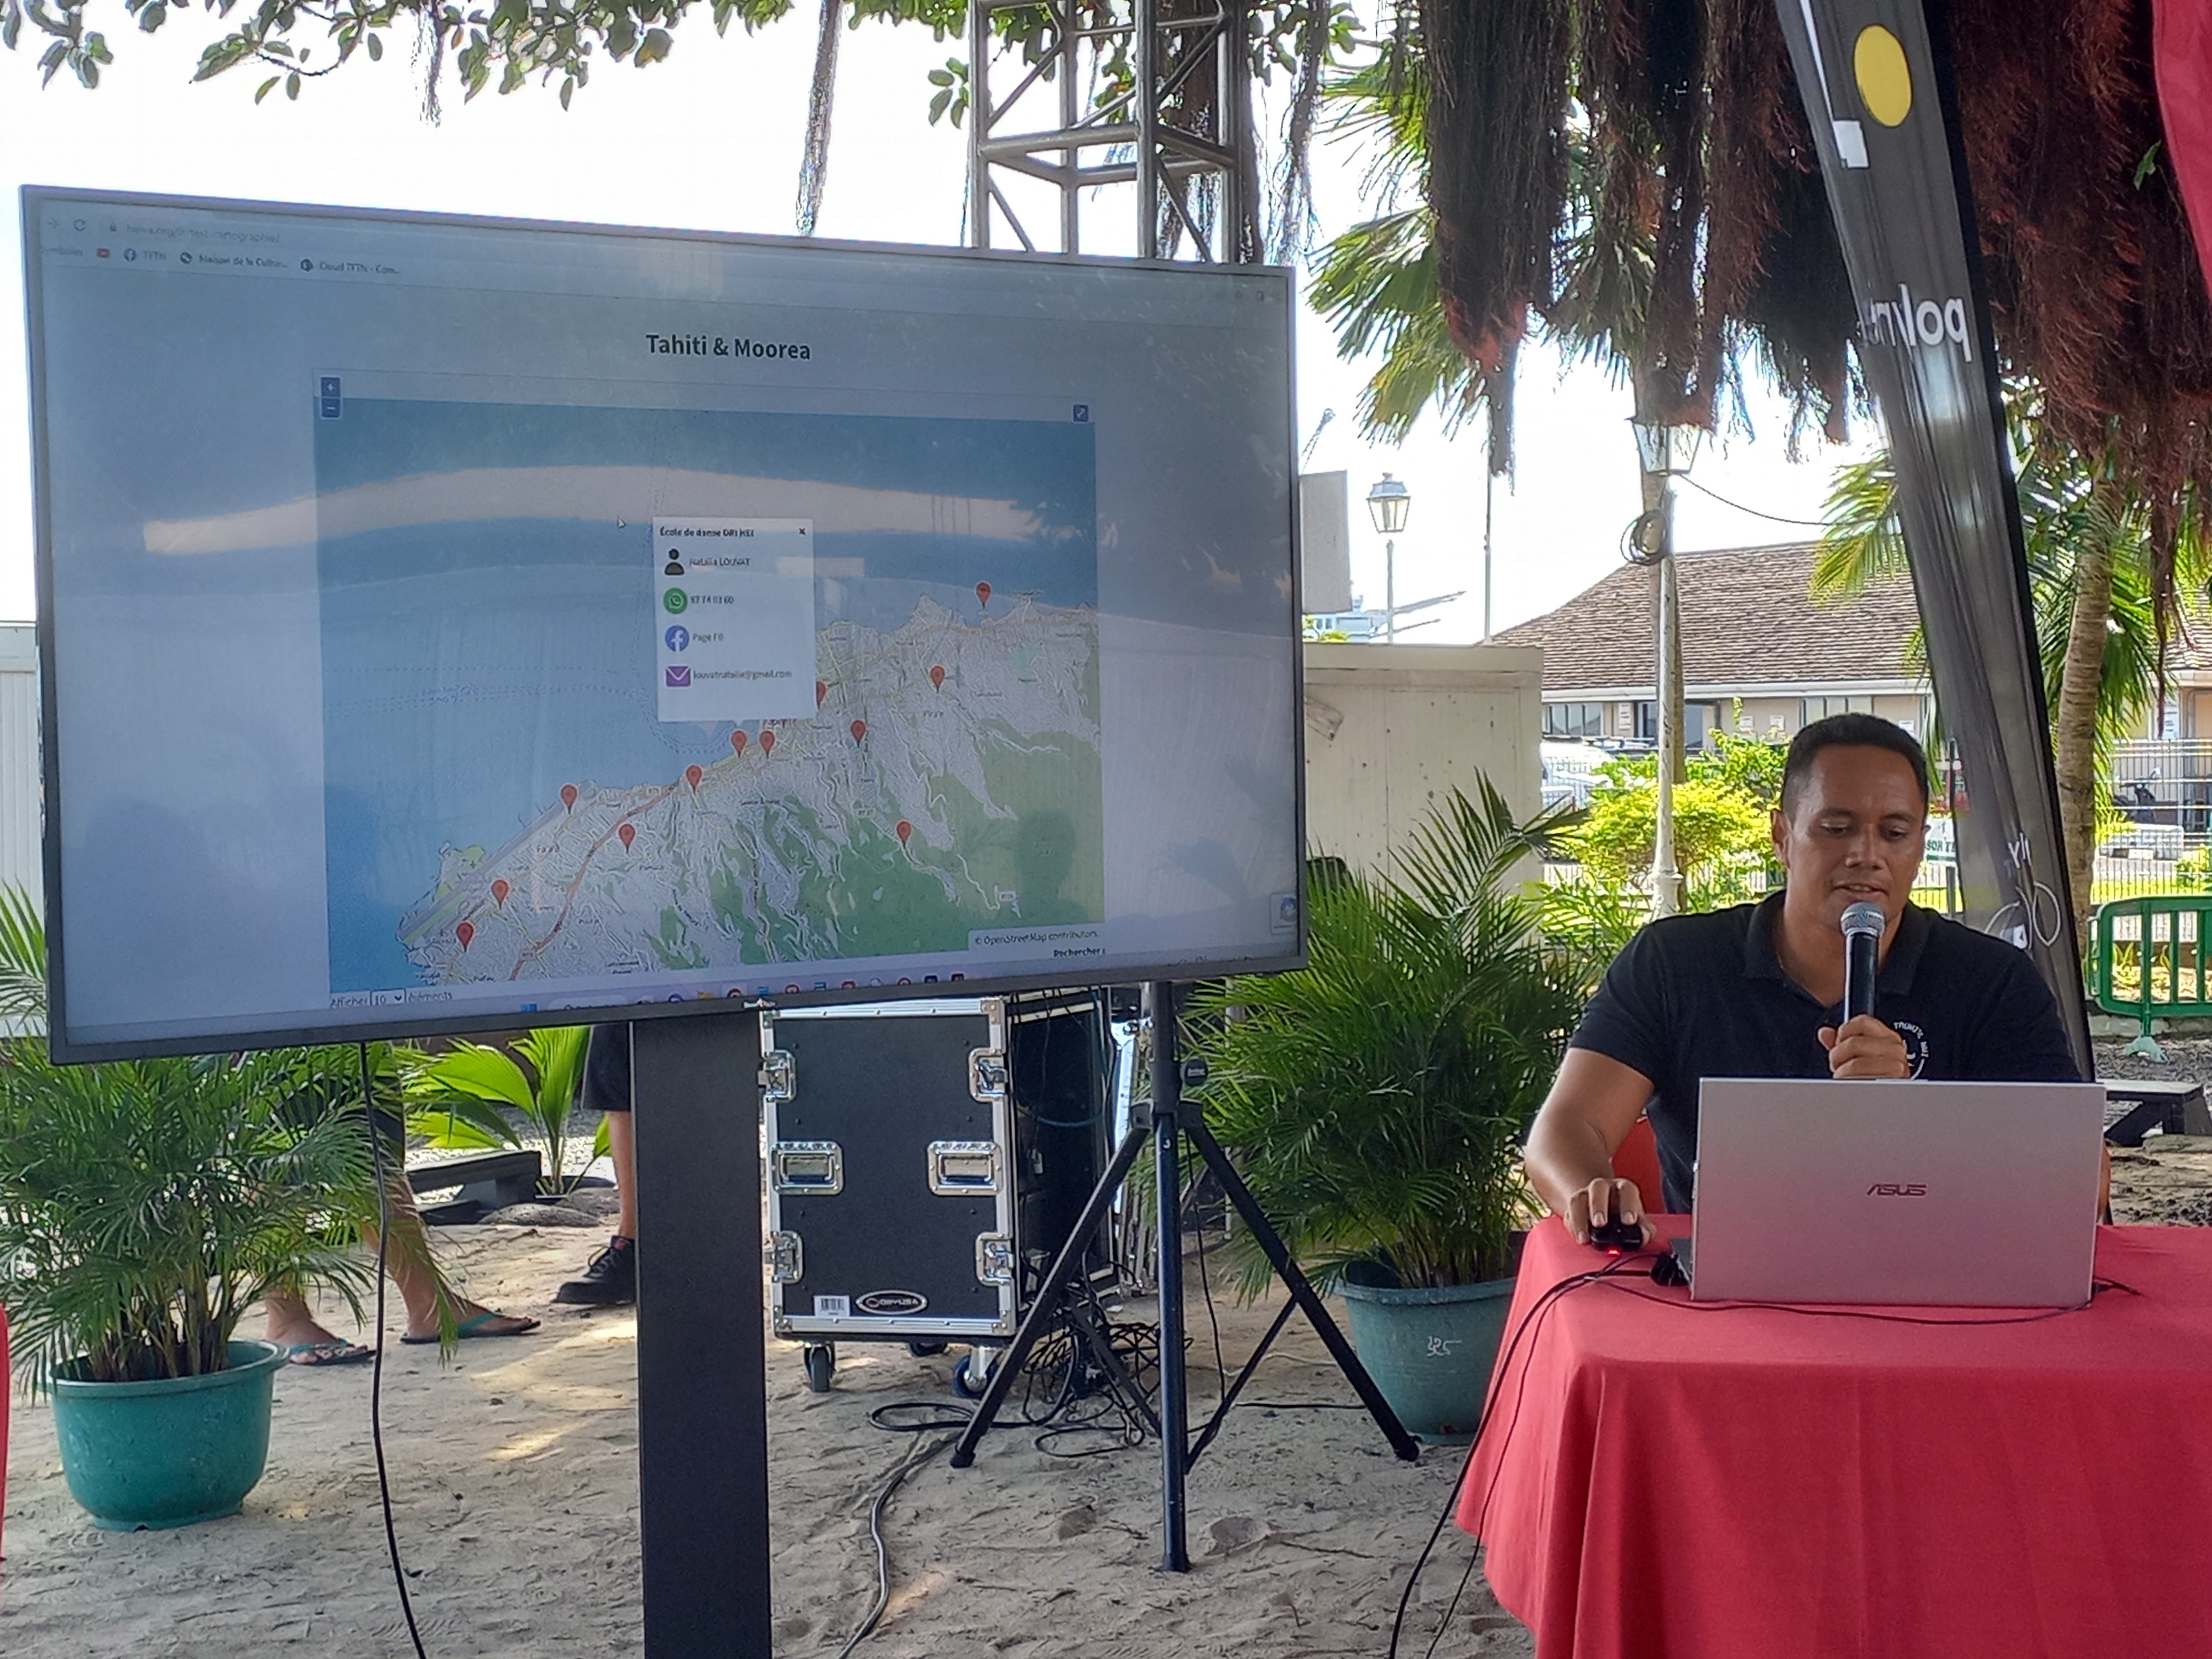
pixel 1039 1318
pixel 1302 1292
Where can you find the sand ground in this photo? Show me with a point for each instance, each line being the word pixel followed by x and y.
pixel 514 1489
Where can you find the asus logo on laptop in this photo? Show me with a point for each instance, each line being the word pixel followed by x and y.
pixel 1895 1189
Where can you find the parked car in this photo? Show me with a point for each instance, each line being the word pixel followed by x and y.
pixel 2148 840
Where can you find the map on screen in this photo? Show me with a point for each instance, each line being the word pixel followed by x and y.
pixel 522 622
pixel 628 691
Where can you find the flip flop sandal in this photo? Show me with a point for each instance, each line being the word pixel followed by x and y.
pixel 477 1325
pixel 312 1354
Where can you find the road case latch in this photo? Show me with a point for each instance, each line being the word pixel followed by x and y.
pixel 779 1077
pixel 994 1259
pixel 814 1167
pixel 986 1074
pixel 786 1258
pixel 958 1168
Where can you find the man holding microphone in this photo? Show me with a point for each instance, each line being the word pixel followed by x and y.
pixel 1758 990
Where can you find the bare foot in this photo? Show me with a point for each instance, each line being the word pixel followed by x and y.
pixel 296 1328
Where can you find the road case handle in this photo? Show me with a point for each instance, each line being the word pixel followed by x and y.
pixel 814 1167
pixel 958 1169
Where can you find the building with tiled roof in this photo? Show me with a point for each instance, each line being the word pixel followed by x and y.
pixel 1759 655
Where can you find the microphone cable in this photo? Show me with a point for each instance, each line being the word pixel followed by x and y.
pixel 1531 1322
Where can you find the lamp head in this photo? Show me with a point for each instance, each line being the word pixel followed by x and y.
pixel 1388 503
pixel 1665 451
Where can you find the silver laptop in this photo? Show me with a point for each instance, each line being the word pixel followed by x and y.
pixel 1954 1194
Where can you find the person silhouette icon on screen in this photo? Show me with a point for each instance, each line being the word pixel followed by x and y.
pixel 674 563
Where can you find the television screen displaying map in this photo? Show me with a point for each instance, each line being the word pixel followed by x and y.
pixel 748 700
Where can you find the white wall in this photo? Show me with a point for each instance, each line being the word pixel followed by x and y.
pixel 18 757
pixel 1392 729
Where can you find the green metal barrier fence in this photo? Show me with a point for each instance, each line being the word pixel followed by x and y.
pixel 2148 959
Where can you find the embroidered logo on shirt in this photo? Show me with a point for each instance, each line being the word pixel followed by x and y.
pixel 1916 1045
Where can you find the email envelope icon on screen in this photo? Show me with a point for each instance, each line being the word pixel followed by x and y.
pixel 679 676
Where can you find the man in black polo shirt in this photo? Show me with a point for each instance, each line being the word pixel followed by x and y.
pixel 1758 991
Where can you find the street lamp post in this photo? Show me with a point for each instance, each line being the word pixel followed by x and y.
pixel 1665 453
pixel 1388 504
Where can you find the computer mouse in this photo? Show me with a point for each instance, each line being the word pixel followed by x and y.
pixel 1618 1236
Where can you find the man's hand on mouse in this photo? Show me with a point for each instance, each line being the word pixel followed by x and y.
pixel 1864 1047
pixel 1610 1198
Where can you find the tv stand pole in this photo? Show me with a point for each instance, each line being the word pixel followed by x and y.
pixel 701 1387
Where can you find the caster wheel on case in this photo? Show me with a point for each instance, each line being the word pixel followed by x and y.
pixel 925 1349
pixel 821 1359
pixel 971 1376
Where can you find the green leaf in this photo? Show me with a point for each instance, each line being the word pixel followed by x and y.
pixel 292 85
pixel 266 87
pixel 376 45
pixel 152 17
pixel 2149 165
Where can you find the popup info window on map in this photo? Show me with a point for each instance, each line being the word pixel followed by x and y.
pixel 611 691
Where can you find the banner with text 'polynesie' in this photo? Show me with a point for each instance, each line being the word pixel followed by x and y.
pixel 1877 96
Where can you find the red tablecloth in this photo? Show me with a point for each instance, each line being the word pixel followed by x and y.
pixel 1664 1481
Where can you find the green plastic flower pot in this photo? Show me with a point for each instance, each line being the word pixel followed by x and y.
pixel 1429 1350
pixel 170 1452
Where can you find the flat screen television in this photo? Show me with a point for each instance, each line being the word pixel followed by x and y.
pixel 454 624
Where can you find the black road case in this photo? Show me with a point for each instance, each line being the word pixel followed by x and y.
pixel 924 1160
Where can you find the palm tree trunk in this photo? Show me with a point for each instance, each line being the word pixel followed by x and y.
pixel 2074 723
pixel 814 164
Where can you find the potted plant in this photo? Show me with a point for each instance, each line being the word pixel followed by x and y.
pixel 1377 1100
pixel 145 1205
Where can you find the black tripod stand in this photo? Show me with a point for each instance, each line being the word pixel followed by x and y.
pixel 1178 1451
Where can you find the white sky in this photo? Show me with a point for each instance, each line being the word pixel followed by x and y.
pixel 710 140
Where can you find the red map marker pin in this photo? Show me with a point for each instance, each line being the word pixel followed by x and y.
pixel 628 832
pixel 738 741
pixel 692 774
pixel 568 794
pixel 983 592
pixel 465 932
pixel 904 831
pixel 936 675
pixel 499 889
pixel 820 690
pixel 859 730
pixel 767 743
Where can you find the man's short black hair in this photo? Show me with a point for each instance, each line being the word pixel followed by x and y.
pixel 1853 732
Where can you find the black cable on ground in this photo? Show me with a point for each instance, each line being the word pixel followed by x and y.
pixel 376 1368
pixel 1061 1366
pixel 891 1484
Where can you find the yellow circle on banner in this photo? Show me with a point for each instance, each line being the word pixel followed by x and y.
pixel 1884 78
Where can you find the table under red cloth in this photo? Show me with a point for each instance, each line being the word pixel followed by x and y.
pixel 1664 1481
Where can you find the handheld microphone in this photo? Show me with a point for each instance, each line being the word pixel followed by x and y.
pixel 1862 924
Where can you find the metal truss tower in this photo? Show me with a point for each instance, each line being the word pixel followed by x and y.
pixel 1174 123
